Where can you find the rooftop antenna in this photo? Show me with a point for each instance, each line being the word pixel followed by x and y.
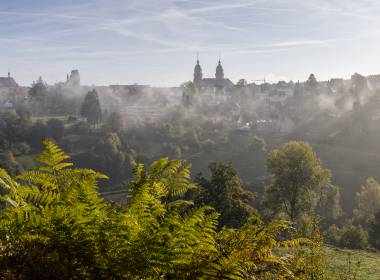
pixel 197 56
pixel 219 56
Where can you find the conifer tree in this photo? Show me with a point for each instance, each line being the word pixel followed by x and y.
pixel 91 109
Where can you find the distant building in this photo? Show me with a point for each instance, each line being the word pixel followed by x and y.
pixel 10 92
pixel 8 82
pixel 135 88
pixel 73 79
pixel 374 81
pixel 219 84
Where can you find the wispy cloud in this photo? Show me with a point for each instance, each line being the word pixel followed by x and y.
pixel 220 7
pixel 114 30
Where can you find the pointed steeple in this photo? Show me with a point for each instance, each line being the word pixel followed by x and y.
pixel 219 73
pixel 198 74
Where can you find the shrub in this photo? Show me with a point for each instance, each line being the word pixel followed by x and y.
pixel 354 237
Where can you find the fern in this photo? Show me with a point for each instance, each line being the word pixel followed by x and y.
pixel 54 225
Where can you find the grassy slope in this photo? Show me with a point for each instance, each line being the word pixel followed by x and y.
pixel 356 264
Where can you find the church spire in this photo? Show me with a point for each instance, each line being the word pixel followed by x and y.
pixel 198 74
pixel 219 73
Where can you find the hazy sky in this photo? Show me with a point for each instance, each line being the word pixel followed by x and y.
pixel 155 41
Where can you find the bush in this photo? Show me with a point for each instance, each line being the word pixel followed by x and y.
pixel 354 237
pixel 332 235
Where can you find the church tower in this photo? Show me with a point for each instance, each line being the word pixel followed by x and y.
pixel 219 74
pixel 197 75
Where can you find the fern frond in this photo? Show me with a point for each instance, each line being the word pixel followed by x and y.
pixel 52 156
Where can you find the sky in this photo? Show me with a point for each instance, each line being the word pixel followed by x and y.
pixel 155 42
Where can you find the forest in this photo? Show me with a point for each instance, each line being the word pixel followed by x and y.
pixel 206 187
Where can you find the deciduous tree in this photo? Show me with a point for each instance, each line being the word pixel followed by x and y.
pixel 298 179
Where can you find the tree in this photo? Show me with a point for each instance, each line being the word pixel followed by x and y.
pixel 311 82
pixel 110 157
pixel 241 83
pixel 37 134
pixel 38 95
pixel 38 91
pixel 354 237
pixel 12 129
pixel 329 207
pixel 114 122
pixel 297 182
pixel 9 163
pixel 367 202
pixel 90 108
pixel 55 129
pixel 225 192
pixel 374 231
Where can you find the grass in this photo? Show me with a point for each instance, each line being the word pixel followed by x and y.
pixel 352 264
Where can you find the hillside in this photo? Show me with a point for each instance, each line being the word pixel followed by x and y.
pixel 360 265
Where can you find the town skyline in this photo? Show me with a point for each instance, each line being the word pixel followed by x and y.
pixel 155 43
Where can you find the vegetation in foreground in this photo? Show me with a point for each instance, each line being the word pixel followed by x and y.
pixel 54 225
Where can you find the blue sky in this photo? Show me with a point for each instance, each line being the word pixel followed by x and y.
pixel 155 41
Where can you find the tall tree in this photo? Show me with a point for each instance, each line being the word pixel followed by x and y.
pixel 38 91
pixel 38 97
pixel 225 192
pixel 367 202
pixel 91 108
pixel 298 179
pixel 312 82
